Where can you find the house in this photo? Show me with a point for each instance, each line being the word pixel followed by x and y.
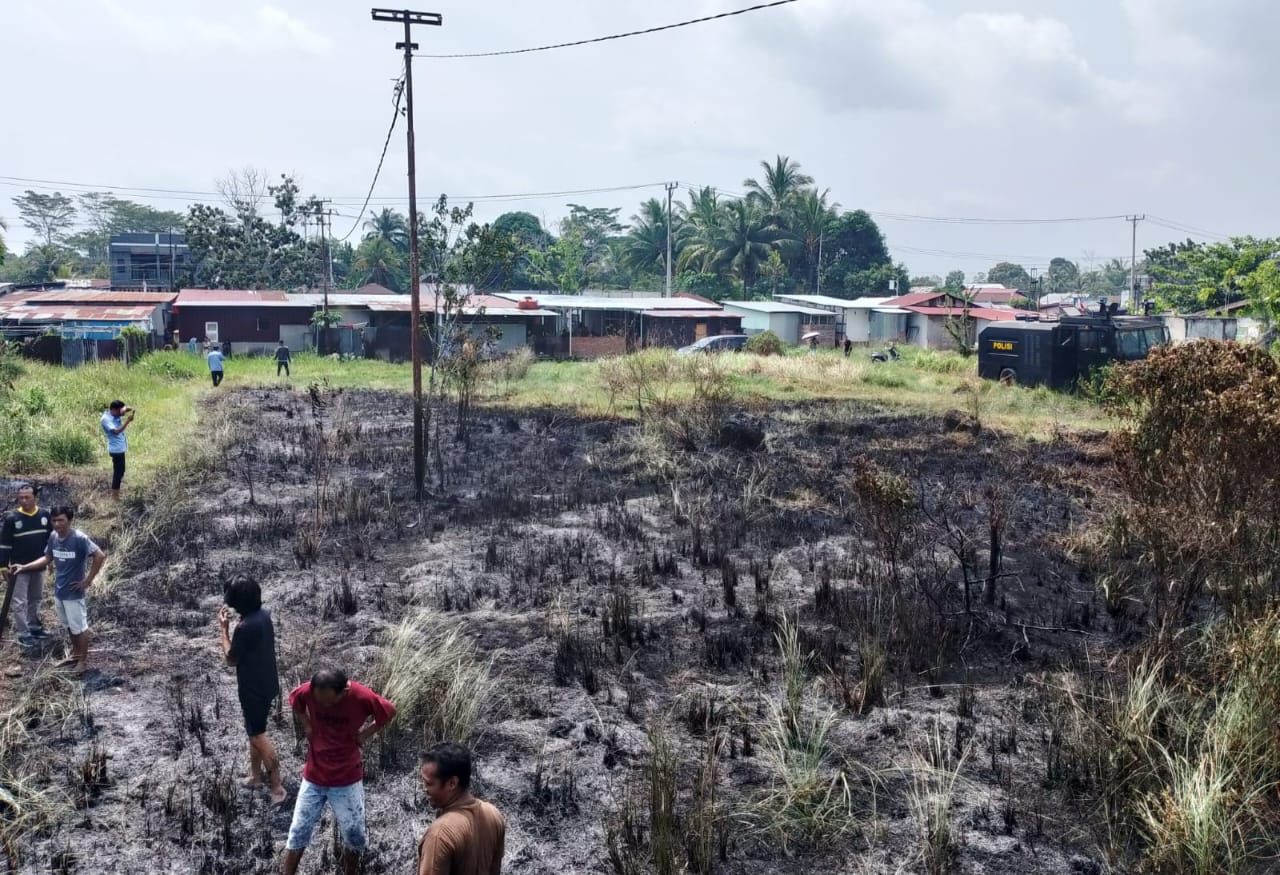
pixel 789 321
pixel 931 316
pixel 386 335
pixel 614 323
pixel 85 314
pixel 244 320
pixel 861 320
pixel 148 261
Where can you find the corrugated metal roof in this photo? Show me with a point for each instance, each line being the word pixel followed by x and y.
pixel 74 313
pixel 507 310
pixel 235 298
pixel 985 313
pixel 774 307
pixel 591 302
pixel 828 301
pixel 91 296
pixel 704 313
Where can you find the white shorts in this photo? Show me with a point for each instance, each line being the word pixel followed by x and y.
pixel 74 614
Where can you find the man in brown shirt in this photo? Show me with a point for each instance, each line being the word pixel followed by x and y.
pixel 468 835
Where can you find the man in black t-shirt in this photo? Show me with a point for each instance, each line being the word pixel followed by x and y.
pixel 24 534
pixel 252 650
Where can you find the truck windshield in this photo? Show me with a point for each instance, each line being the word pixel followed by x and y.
pixel 1130 344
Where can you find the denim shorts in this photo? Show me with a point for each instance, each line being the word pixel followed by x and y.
pixel 347 804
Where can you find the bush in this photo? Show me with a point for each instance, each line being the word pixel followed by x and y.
pixel 765 343
pixel 1199 468
pixel 936 362
pixel 67 446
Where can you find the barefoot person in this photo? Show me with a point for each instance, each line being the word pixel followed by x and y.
pixel 23 538
pixel 468 836
pixel 76 562
pixel 338 716
pixel 252 650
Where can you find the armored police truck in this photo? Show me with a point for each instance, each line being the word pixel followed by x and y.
pixel 1058 353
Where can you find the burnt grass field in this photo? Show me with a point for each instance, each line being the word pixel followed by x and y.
pixel 635 591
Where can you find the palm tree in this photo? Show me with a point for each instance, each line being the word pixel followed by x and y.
pixel 746 239
pixel 811 219
pixel 390 226
pixel 703 221
pixel 782 183
pixel 377 261
pixel 645 246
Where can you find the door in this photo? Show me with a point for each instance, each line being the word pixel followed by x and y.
pixel 211 331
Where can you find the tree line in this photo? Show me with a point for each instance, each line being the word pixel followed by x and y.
pixel 785 234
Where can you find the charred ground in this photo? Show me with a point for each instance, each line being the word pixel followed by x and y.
pixel 631 591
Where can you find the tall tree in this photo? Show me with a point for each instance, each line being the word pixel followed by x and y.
pixel 645 246
pixel 856 260
pixel 1062 277
pixel 378 261
pixel 782 182
pixel 1194 276
pixel 49 216
pixel 703 218
pixel 747 238
pixel 1010 275
pixel 954 281
pixel 390 226
pixel 812 219
pixel 3 227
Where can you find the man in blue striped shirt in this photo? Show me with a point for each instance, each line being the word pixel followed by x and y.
pixel 115 420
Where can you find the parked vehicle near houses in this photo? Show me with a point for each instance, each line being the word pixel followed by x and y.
pixel 889 354
pixel 718 343
pixel 1060 353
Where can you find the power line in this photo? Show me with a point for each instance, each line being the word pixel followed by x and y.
pixel 615 36
pixel 395 115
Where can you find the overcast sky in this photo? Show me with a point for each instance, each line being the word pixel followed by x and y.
pixel 944 108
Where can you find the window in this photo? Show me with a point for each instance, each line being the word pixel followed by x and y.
pixel 211 332
pixel 1131 344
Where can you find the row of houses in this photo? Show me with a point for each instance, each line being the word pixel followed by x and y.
pixel 374 322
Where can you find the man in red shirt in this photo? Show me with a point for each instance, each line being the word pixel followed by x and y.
pixel 338 716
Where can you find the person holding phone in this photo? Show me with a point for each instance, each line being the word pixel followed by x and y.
pixel 115 419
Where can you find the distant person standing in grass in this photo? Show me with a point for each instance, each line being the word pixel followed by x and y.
pixel 23 538
pixel 252 650
pixel 468 836
pixel 76 562
pixel 282 359
pixel 192 345
pixel 115 419
pixel 338 716
pixel 215 365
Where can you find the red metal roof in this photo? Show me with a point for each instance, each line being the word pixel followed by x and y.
pixel 89 296
pixel 997 296
pixel 76 313
pixel 914 299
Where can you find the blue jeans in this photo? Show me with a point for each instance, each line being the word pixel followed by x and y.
pixel 348 810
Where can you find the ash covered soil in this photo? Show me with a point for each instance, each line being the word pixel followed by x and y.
pixel 618 582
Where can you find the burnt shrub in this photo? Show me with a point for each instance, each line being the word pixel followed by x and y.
pixel 1200 475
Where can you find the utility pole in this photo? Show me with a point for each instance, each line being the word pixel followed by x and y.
pixel 1133 264
pixel 818 274
pixel 408 19
pixel 671 187
pixel 324 213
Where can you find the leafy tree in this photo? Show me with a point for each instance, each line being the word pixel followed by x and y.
pixel 856 260
pixel 812 220
pixel 378 261
pixel 954 281
pixel 49 216
pixel 390 226
pixel 3 227
pixel 746 239
pixel 932 280
pixel 1193 276
pixel 1063 276
pixel 1010 275
pixel 645 246
pixel 562 265
pixel 525 228
pixel 704 218
pixel 774 271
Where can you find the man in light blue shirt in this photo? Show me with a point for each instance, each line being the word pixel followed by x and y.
pixel 115 419
pixel 215 365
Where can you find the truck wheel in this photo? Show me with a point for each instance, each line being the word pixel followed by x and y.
pixel 1008 377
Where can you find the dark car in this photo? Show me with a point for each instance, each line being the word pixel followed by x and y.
pixel 719 343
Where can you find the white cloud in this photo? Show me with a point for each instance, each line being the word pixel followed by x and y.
pixel 158 28
pixel 982 66
pixel 302 35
